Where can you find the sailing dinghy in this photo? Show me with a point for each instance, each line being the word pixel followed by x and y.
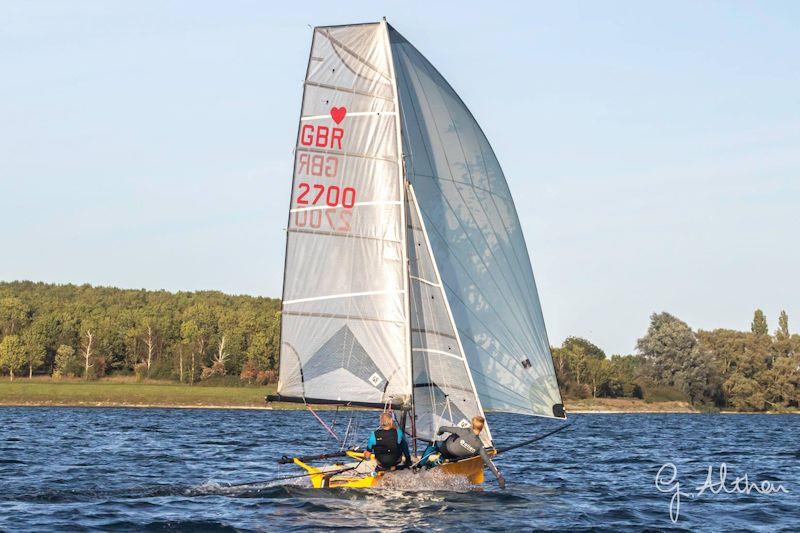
pixel 407 282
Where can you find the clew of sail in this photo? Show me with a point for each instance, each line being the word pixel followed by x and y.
pixel 477 241
pixel 344 326
pixel 444 394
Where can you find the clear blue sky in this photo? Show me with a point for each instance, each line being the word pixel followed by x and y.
pixel 653 150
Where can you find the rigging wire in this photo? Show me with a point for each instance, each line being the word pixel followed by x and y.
pixel 534 439
pixel 321 421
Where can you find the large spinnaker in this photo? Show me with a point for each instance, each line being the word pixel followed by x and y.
pixel 444 394
pixel 344 326
pixel 476 239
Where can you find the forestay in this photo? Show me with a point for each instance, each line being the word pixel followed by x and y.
pixel 476 239
pixel 344 334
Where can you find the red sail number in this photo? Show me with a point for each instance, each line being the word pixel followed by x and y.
pixel 321 136
pixel 333 195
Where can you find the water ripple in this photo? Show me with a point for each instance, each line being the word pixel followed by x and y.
pixel 90 469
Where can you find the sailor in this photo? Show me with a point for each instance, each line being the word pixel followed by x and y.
pixel 462 443
pixel 388 445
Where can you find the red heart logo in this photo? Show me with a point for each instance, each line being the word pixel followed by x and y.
pixel 338 113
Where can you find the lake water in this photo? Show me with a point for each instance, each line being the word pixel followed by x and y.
pixel 172 469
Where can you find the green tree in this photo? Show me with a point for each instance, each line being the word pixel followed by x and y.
pixel 14 315
pixel 744 394
pixel 599 373
pixel 137 328
pixel 628 372
pixel 759 325
pixel 35 348
pixel 584 345
pixel 678 361
pixel 66 364
pixel 783 325
pixel 12 354
pixel 666 344
pixel 194 341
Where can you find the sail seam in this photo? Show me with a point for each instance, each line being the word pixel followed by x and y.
pixel 421 280
pixel 346 154
pixel 342 295
pixel 357 204
pixel 440 352
pixel 346 90
pixel 352 114
pixel 344 317
pixel 433 332
pixel 342 235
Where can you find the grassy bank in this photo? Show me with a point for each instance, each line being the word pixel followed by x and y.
pixel 121 392
pixel 626 405
pixel 112 393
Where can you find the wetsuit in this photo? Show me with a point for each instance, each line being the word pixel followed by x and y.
pixel 461 444
pixel 388 446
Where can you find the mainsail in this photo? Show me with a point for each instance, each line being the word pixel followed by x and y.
pixel 407 280
pixel 344 325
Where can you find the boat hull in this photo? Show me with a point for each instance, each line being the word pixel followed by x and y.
pixel 361 475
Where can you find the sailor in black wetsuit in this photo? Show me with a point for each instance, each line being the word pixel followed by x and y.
pixel 388 445
pixel 461 444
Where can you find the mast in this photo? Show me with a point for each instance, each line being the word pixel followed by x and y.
pixel 404 201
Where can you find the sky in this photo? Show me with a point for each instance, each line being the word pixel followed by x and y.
pixel 653 149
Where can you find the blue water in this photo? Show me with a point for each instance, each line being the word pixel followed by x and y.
pixel 171 469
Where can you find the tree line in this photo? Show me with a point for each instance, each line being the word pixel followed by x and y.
pixel 722 368
pixel 90 332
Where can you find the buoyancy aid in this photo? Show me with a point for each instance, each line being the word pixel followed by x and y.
pixel 387 450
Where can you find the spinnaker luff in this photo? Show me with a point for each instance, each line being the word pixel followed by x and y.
pixel 407 280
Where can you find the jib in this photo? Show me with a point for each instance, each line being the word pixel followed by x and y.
pixel 321 136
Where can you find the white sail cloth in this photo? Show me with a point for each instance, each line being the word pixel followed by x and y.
pixel 477 241
pixel 444 394
pixel 344 332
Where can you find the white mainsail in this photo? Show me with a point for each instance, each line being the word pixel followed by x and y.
pixel 344 324
pixel 407 279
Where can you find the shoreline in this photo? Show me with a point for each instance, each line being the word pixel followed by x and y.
pixel 125 393
pixel 292 407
